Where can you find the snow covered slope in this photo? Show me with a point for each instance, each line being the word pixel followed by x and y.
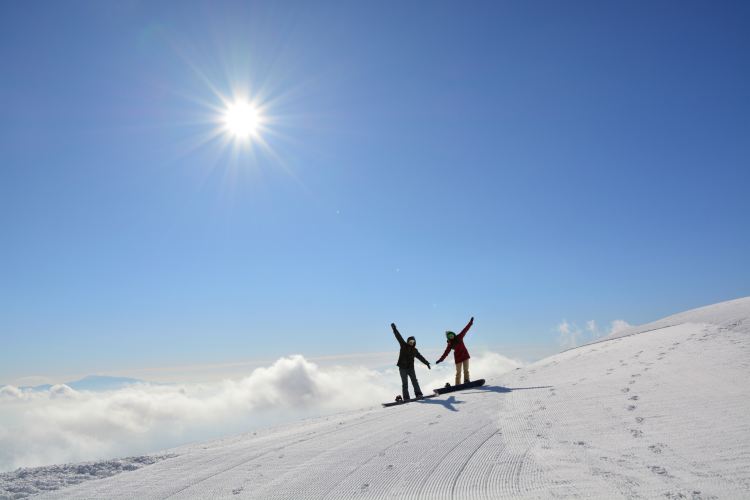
pixel 663 413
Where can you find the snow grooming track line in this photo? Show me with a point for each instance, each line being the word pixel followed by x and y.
pixel 310 487
pixel 349 474
pixel 527 432
pixel 381 452
pixel 426 489
pixel 259 455
pixel 497 472
pixel 322 465
pixel 468 459
pixel 395 475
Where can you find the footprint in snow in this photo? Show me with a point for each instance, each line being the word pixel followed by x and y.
pixel 625 389
pixel 694 495
pixel 633 398
pixel 631 407
pixel 237 491
pixel 658 469
pixel 656 448
pixel 639 420
pixel 636 433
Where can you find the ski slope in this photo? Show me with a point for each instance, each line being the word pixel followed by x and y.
pixel 660 411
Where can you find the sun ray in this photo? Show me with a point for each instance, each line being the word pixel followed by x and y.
pixel 243 117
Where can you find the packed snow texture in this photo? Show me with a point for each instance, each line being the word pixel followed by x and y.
pixel 26 482
pixel 662 413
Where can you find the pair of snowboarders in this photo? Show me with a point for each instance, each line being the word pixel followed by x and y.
pixel 409 352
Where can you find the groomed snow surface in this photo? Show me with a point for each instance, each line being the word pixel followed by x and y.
pixel 661 411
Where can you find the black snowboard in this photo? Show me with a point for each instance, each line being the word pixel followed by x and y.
pixel 452 388
pixel 403 402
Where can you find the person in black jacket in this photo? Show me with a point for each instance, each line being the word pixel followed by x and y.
pixel 406 363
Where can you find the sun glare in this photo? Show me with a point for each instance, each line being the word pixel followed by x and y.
pixel 242 119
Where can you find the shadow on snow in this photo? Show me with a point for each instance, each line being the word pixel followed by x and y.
pixel 449 404
pixel 503 390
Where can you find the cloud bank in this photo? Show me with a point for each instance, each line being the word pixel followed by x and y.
pixel 571 335
pixel 62 425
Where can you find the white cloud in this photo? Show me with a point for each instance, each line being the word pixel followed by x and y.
pixel 64 425
pixel 11 392
pixel 618 326
pixel 592 328
pixel 571 335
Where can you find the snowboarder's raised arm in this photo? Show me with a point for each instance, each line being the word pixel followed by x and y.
pixel 398 335
pixel 447 350
pixel 421 358
pixel 466 328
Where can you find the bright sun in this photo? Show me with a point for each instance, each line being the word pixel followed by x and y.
pixel 242 119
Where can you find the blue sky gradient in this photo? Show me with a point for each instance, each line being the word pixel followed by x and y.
pixel 521 162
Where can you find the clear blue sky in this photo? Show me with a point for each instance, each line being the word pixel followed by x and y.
pixel 522 162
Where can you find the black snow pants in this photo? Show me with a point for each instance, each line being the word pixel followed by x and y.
pixel 409 372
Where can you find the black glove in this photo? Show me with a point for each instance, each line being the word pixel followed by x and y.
pixel 437 362
pixel 393 326
pixel 428 366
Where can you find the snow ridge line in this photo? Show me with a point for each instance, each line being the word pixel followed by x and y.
pixel 600 341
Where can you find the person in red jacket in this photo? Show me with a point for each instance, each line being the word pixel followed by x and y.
pixel 460 354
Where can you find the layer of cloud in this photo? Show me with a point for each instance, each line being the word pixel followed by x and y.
pixel 571 335
pixel 64 425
